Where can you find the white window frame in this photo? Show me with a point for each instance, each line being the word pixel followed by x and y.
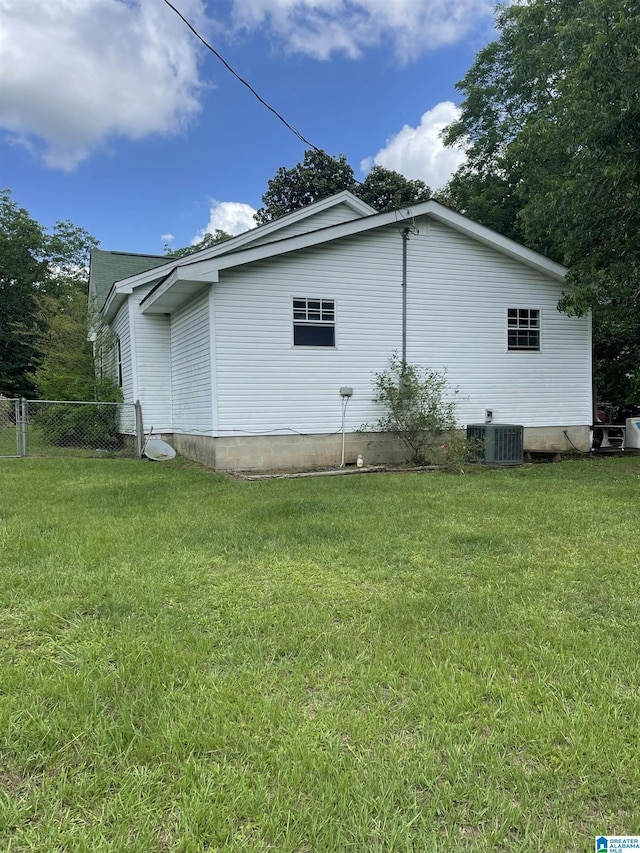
pixel 313 311
pixel 523 325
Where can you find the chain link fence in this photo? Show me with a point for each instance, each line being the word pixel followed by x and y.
pixel 70 428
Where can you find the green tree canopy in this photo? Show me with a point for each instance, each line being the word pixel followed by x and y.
pixel 43 307
pixel 207 241
pixel 385 189
pixel 551 120
pixel 320 175
pixel 23 273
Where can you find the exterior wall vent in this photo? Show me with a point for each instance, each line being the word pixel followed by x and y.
pixel 501 444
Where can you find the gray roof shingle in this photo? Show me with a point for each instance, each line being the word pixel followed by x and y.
pixel 108 267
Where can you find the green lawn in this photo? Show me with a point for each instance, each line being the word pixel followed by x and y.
pixel 415 662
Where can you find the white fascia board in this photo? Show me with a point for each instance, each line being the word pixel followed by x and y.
pixel 183 284
pixel 395 217
pixel 123 289
pixel 235 244
pixel 112 304
pixel 299 241
pixel 242 240
pixel 205 270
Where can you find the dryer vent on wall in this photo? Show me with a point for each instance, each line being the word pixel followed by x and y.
pixel 497 444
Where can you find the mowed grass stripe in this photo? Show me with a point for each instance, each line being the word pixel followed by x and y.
pixel 384 663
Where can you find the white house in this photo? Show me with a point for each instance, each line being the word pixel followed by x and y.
pixel 237 353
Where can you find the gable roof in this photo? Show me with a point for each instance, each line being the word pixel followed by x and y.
pixel 190 278
pixel 177 280
pixel 263 232
pixel 131 278
pixel 109 267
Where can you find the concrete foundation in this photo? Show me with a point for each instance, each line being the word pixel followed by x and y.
pixel 281 452
pixel 557 439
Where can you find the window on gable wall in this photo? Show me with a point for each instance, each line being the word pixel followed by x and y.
pixel 119 360
pixel 523 329
pixel 314 322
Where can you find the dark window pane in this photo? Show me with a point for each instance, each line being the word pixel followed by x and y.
pixel 313 336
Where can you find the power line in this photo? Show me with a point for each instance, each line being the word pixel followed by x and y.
pixel 245 83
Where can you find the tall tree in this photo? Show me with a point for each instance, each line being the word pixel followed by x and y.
pixel 551 120
pixel 319 176
pixel 23 271
pixel 43 307
pixel 65 369
pixel 385 189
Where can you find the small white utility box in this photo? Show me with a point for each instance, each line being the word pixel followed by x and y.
pixel 632 434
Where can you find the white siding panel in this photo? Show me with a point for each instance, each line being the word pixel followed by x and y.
pixel 152 360
pixel 462 325
pixel 121 329
pixel 191 368
pixel 458 295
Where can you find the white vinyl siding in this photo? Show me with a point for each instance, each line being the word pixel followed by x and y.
pixel 458 294
pixel 461 325
pixel 122 351
pixel 191 368
pixel 152 358
pixel 265 384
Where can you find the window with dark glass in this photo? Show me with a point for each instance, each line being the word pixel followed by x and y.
pixel 314 322
pixel 119 361
pixel 523 329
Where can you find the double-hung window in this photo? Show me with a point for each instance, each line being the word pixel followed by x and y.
pixel 314 322
pixel 523 329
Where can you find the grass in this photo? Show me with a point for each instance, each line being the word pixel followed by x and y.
pixel 8 438
pixel 370 663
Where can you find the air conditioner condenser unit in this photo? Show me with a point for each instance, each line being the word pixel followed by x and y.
pixel 497 444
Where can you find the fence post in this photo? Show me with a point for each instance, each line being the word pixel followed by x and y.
pixel 24 416
pixel 139 429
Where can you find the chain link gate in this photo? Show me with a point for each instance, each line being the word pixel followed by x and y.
pixel 10 436
pixel 77 428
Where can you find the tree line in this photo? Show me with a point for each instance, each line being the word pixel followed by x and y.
pixel 44 349
pixel 550 123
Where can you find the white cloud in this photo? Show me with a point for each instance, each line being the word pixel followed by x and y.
pixel 78 72
pixel 321 27
pixel 167 238
pixel 418 152
pixel 234 217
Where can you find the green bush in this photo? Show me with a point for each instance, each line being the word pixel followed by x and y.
pixel 73 425
pixel 420 410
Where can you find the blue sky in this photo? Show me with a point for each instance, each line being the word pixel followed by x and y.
pixel 113 116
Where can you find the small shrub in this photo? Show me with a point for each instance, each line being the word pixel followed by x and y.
pixel 420 411
pixel 73 425
pixel 455 452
